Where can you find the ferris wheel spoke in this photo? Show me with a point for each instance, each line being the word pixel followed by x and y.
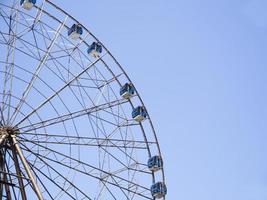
pixel 9 68
pixel 84 141
pixel 37 46
pixel 38 69
pixel 108 141
pixel 4 38
pixel 71 116
pixel 12 55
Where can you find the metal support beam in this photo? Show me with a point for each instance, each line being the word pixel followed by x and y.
pixel 8 193
pixel 27 168
pixel 2 165
pixel 18 171
pixel 4 178
pixel 2 138
pixel 1 188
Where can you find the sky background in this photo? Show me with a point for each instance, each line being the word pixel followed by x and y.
pixel 200 67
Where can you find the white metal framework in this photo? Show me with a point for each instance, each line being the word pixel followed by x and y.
pixel 65 131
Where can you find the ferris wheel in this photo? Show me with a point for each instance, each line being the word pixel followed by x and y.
pixel 73 125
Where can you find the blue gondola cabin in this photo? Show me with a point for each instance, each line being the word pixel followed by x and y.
pixel 158 190
pixel 127 90
pixel 155 163
pixel 27 4
pixel 139 113
pixel 95 49
pixel 75 31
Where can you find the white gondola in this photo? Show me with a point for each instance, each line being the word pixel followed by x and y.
pixel 27 4
pixel 155 163
pixel 127 90
pixel 139 113
pixel 95 49
pixel 75 31
pixel 158 190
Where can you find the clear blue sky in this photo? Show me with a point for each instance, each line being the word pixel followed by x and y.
pixel 200 67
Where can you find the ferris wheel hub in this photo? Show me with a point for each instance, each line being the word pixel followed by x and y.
pixel 7 131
